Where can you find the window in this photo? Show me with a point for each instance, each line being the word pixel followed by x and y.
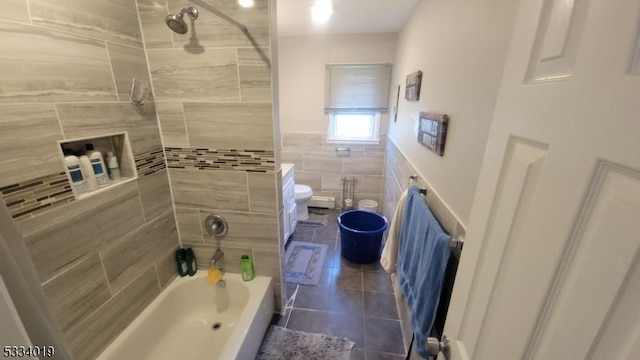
pixel 355 96
pixel 354 126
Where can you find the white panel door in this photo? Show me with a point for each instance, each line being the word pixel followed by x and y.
pixel 12 332
pixel 550 269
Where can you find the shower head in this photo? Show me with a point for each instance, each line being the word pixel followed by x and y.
pixel 176 22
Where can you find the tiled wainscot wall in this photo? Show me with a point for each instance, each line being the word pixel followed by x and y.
pixel 214 101
pixel 320 166
pixel 67 69
pixel 397 170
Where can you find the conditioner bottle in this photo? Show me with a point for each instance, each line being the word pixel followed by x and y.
pixel 87 171
pixel 75 172
pixel 99 167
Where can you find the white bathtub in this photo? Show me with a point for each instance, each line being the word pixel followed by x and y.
pixel 178 324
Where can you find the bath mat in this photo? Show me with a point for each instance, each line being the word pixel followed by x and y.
pixel 315 219
pixel 303 262
pixel 281 343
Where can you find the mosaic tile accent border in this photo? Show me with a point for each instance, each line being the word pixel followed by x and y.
pixel 32 197
pixel 150 162
pixel 221 159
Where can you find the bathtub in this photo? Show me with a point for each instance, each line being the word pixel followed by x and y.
pixel 179 323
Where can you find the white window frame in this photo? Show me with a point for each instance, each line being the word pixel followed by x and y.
pixel 356 89
pixel 373 138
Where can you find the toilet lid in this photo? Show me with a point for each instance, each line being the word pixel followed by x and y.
pixel 302 190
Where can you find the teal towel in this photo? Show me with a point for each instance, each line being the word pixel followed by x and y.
pixel 422 257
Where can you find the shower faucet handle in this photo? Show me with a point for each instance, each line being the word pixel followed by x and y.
pixel 216 225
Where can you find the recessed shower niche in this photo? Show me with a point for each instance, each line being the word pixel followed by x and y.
pixel 79 171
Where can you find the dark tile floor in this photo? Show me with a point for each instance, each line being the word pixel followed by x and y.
pixel 355 301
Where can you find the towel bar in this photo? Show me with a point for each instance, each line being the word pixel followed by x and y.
pixel 457 243
pixel 414 177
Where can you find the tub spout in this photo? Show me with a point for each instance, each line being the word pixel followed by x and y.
pixel 217 260
pixel 217 263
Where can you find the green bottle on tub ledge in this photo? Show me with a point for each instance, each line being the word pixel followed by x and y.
pixel 246 266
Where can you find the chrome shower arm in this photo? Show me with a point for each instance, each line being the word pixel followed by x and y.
pixel 219 13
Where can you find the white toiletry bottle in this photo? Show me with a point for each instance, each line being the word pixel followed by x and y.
pixel 114 169
pixel 87 171
pixel 75 172
pixel 99 167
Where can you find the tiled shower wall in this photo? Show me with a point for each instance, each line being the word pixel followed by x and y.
pixel 319 165
pixel 67 68
pixel 214 98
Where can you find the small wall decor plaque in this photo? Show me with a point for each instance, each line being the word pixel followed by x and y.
pixel 412 90
pixel 395 107
pixel 432 132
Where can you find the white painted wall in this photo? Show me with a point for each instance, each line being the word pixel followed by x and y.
pixel 301 78
pixel 460 46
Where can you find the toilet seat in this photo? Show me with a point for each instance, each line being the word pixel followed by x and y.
pixel 302 191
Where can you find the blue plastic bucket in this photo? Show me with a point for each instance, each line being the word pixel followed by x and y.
pixel 361 235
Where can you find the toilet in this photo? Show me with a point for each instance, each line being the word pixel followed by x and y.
pixel 302 194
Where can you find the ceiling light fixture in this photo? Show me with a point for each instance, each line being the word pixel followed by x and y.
pixel 246 3
pixel 321 11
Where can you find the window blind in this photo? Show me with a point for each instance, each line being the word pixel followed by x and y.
pixel 357 87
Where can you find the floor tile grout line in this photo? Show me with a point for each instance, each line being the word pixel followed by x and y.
pixel 390 353
pixel 381 318
pixel 309 309
pixel 286 322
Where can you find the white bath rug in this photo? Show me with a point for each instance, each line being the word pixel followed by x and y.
pixel 303 262
pixel 281 343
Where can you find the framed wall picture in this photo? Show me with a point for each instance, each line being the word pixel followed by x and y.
pixel 412 90
pixel 395 106
pixel 432 132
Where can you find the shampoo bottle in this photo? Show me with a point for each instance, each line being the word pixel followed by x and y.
pixel 112 164
pixel 99 167
pixel 192 267
pixel 87 171
pixel 246 266
pixel 75 172
pixel 181 260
